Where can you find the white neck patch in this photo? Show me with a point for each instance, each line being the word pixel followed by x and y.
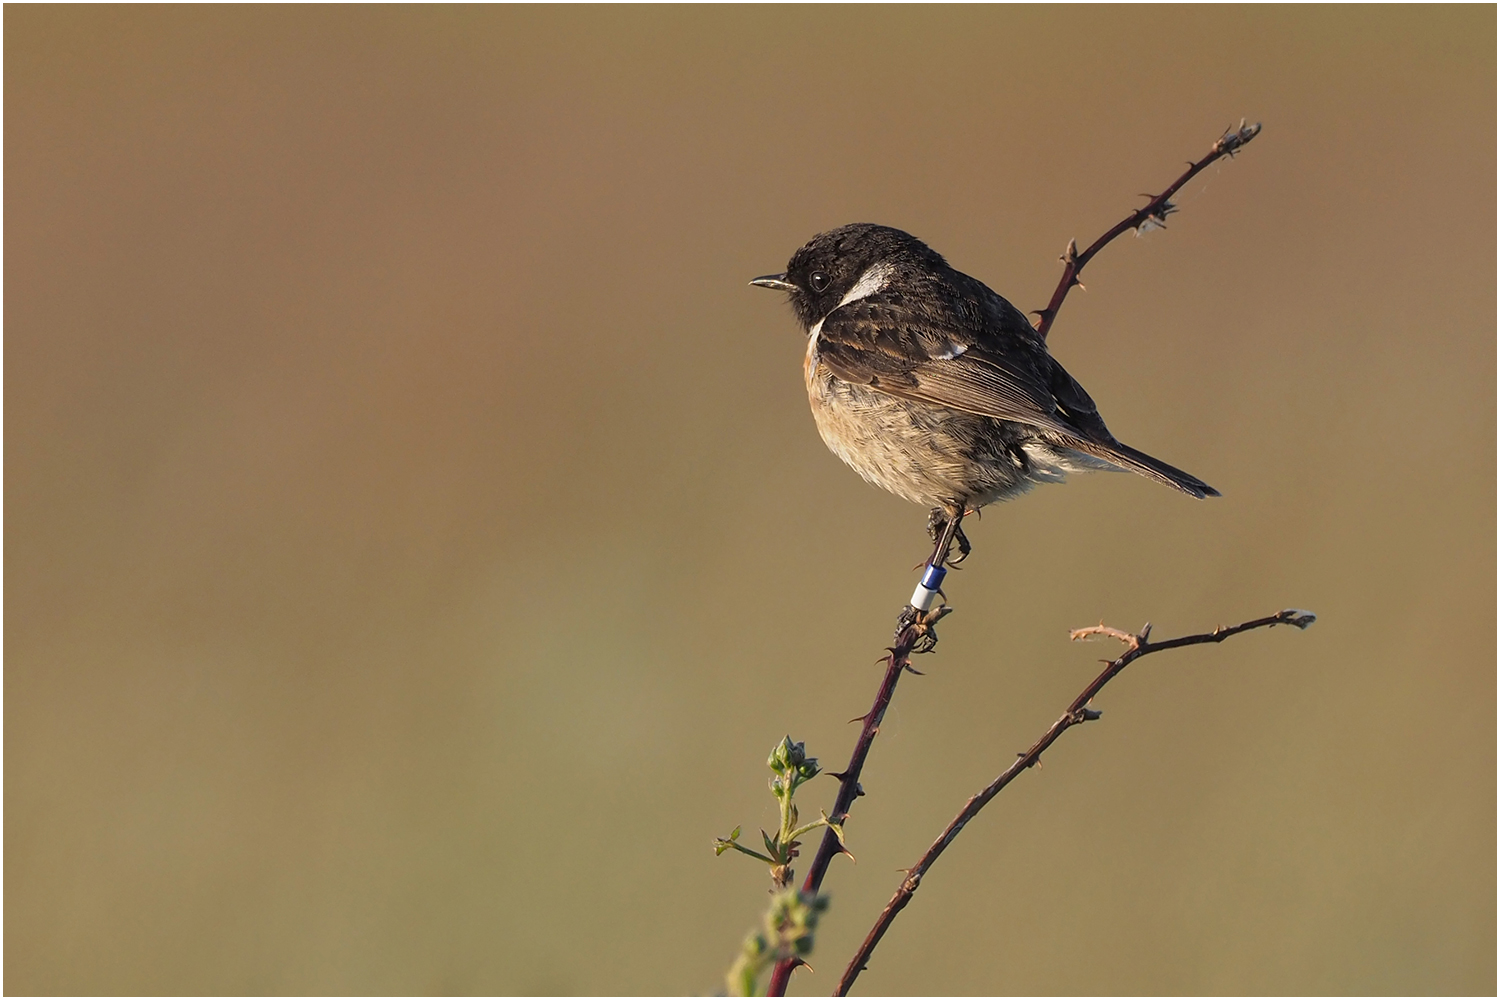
pixel 869 283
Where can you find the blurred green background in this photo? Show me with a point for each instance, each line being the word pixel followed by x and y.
pixel 416 535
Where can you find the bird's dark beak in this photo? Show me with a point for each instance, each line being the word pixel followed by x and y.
pixel 776 281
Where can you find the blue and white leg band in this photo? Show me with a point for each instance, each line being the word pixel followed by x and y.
pixel 926 594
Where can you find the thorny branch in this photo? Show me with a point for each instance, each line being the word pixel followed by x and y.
pixel 1136 646
pixel 915 633
pixel 1152 216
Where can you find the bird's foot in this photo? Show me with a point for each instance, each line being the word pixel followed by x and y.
pixel 919 628
pixel 937 523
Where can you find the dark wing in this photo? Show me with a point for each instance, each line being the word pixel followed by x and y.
pixel 981 363
pixel 973 365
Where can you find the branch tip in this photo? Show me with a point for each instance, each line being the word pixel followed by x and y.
pixel 1128 638
pixel 1235 139
pixel 1152 216
pixel 1297 617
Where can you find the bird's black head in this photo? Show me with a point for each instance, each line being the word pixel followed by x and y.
pixel 849 263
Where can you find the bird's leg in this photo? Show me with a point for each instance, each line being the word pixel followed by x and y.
pixel 929 588
pixel 937 523
pixel 919 612
pixel 951 530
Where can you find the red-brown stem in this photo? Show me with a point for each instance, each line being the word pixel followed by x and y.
pixel 849 789
pixel 915 629
pixel 1077 713
pixel 1157 209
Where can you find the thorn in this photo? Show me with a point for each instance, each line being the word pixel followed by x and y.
pixel 862 718
pixel 1145 632
pixel 911 669
pixel 841 775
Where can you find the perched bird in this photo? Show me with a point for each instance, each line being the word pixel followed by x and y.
pixel 931 386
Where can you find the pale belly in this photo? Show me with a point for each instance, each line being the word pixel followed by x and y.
pixel 932 455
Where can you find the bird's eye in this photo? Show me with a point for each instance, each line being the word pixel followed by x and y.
pixel 818 280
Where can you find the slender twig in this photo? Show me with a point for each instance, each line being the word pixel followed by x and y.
pixel 915 633
pixel 1136 646
pixel 1152 216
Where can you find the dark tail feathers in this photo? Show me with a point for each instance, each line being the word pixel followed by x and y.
pixel 1138 461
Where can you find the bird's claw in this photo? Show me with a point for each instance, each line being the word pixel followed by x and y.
pixel 922 625
pixel 963 547
pixel 937 520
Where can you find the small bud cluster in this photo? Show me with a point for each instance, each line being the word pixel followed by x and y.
pixel 792 767
pixel 788 933
pixel 793 915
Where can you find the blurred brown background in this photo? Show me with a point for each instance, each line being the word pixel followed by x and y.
pixel 417 537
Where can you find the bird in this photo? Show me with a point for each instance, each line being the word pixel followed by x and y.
pixel 935 388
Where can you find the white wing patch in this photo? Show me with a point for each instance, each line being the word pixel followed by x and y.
pixel 951 352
